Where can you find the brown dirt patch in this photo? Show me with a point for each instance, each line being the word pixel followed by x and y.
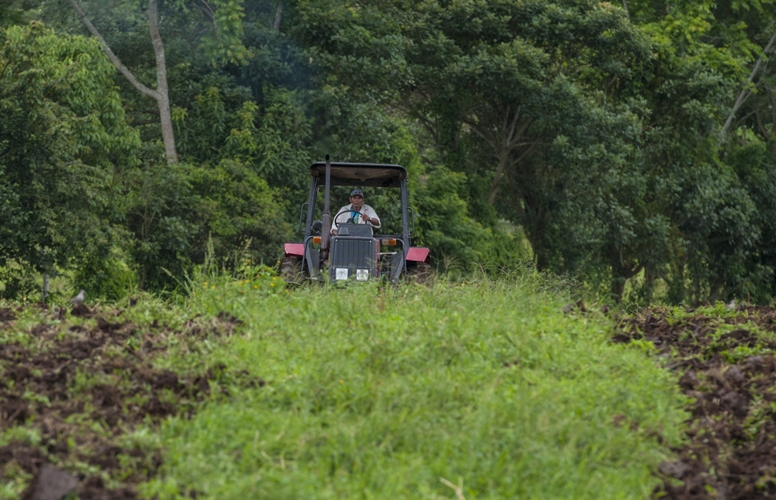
pixel 6 314
pixel 82 388
pixel 729 371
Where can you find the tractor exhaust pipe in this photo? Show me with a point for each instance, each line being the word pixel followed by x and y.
pixel 326 218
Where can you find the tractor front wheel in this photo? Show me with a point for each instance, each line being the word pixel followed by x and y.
pixel 419 272
pixel 291 269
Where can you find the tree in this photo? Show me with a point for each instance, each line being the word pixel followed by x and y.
pixel 175 210
pixel 596 134
pixel 499 86
pixel 10 13
pixel 161 93
pixel 716 239
pixel 223 45
pixel 62 135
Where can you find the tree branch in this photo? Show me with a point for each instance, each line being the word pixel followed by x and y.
pixel 745 92
pixel 483 132
pixel 208 10
pixel 760 125
pixel 519 134
pixel 424 121
pixel 113 57
pixel 491 197
pixel 510 135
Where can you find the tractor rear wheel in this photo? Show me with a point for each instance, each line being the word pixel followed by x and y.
pixel 291 269
pixel 419 272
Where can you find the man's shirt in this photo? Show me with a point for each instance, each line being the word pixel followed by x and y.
pixel 347 212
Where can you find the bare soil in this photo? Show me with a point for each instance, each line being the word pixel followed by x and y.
pixel 83 387
pixel 729 370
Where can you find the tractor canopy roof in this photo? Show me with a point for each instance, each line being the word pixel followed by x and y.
pixel 360 174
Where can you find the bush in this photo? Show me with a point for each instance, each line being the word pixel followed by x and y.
pixel 175 209
pixel 110 277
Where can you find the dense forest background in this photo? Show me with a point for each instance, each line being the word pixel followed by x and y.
pixel 629 144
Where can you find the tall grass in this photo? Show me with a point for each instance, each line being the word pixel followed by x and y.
pixel 457 390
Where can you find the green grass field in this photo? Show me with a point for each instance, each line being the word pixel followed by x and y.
pixel 474 390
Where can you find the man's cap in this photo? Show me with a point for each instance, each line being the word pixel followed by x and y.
pixel 357 192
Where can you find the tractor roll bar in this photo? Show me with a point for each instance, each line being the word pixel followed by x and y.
pixel 326 219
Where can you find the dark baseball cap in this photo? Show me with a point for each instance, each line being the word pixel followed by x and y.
pixel 357 192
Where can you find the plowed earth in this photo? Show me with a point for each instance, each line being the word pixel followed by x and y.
pixel 76 386
pixel 729 370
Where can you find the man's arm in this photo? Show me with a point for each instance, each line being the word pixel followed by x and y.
pixel 373 219
pixel 336 219
pixel 333 230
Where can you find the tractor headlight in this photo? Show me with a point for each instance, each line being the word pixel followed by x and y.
pixel 341 273
pixel 362 274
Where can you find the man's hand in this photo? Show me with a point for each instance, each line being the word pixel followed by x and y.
pixel 367 219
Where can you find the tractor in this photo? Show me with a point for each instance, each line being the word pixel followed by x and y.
pixel 355 253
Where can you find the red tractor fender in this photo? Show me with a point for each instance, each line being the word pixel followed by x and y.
pixel 418 254
pixel 293 249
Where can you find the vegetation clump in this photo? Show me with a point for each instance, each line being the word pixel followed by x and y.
pixel 404 391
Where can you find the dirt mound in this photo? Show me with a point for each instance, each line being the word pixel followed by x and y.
pixel 84 387
pixel 82 311
pixel 6 314
pixel 729 371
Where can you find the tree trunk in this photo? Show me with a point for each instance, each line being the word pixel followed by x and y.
pixel 618 288
pixel 533 225
pixel 163 98
pixel 161 94
pixel 622 271
pixel 278 16
pixel 503 159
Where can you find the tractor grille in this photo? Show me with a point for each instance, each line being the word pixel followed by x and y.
pixel 353 253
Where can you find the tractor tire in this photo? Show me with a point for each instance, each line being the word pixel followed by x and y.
pixel 291 270
pixel 419 272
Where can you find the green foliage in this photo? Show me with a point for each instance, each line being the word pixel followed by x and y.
pixel 269 140
pixel 161 218
pixel 19 282
pixel 62 135
pixel 224 43
pixel 10 13
pixel 507 95
pixel 281 152
pixel 590 133
pixel 214 30
pixel 238 210
pixel 174 210
pixel 110 277
pixel 754 166
pixel 457 241
pixel 595 134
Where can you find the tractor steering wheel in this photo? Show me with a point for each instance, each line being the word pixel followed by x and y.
pixel 336 224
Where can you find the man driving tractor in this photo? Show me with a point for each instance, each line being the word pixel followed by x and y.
pixel 357 212
pixel 341 246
